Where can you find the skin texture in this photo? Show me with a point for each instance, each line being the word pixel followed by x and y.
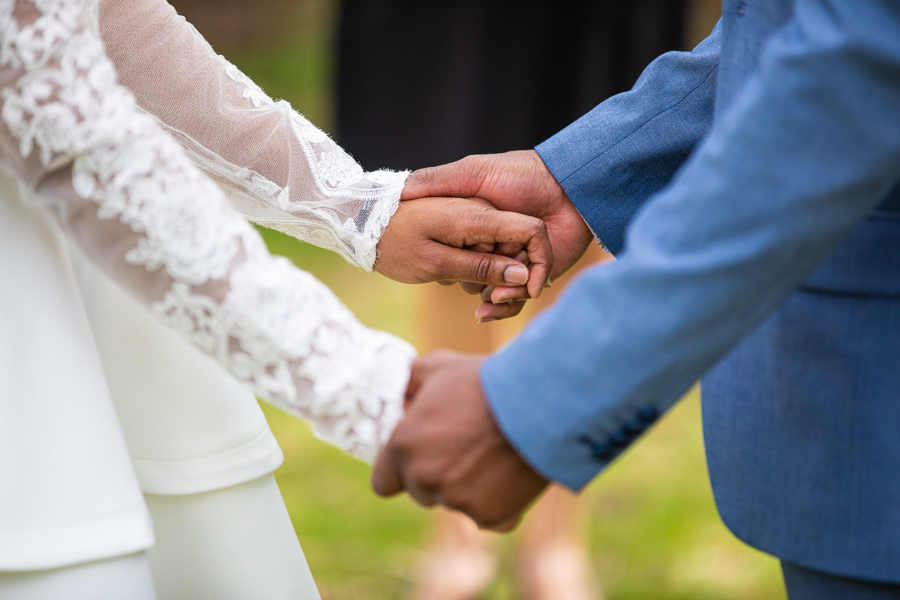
pixel 432 239
pixel 448 450
pixel 514 181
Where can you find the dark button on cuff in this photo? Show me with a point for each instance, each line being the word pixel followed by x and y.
pixel 634 428
pixel 741 8
pixel 601 452
pixel 648 415
pixel 620 441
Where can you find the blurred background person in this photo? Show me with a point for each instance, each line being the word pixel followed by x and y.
pixel 445 79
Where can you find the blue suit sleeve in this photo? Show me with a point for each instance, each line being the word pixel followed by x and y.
pixel 809 147
pixel 613 159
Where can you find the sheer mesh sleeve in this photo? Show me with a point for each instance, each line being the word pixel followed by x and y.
pixel 278 169
pixel 130 197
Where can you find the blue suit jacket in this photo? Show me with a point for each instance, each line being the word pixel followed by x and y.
pixel 762 249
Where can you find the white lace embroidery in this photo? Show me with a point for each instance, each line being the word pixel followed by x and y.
pixel 336 174
pixel 335 204
pixel 252 92
pixel 207 273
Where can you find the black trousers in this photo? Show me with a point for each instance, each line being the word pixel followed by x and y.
pixel 422 82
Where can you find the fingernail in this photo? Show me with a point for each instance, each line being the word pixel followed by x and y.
pixel 549 283
pixel 487 320
pixel 516 274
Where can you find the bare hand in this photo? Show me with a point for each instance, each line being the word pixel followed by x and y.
pixel 448 450
pixel 429 240
pixel 514 181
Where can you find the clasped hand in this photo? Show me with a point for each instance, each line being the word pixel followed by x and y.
pixel 452 239
pixel 518 182
pixel 449 449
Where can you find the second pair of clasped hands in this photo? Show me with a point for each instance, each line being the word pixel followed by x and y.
pixel 448 449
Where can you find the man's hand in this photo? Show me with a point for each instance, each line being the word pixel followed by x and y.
pixel 514 181
pixel 448 450
pixel 430 240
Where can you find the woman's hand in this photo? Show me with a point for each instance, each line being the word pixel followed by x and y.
pixel 451 239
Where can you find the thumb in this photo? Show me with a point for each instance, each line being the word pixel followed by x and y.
pixel 462 178
pixel 504 526
pixel 480 268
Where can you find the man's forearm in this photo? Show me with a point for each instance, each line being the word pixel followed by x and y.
pixel 810 146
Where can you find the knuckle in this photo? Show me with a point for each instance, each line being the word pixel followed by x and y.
pixel 483 267
pixel 485 519
pixel 471 165
pixel 426 478
pixel 403 441
pixel 489 217
pixel 510 309
pixel 422 500
pixel 382 486
pixel 492 517
pixel 471 288
pixel 504 312
pixel 455 500
pixel 424 176
pixel 433 265
pixel 515 308
pixel 467 174
pixel 533 227
pixel 480 217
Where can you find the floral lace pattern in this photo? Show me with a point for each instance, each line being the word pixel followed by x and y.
pixel 206 272
pixel 336 174
pixel 340 207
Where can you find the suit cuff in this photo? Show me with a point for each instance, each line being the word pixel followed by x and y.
pixel 606 222
pixel 529 424
pixel 566 413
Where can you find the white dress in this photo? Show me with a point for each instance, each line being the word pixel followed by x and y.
pixel 98 403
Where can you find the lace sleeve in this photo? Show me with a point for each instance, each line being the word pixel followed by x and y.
pixel 278 169
pixel 128 195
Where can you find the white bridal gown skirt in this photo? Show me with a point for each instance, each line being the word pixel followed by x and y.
pixel 100 406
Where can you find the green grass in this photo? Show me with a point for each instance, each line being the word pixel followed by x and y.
pixel 651 522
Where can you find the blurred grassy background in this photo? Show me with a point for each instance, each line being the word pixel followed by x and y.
pixel 652 524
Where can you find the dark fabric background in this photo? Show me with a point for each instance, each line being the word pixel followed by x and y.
pixel 421 83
